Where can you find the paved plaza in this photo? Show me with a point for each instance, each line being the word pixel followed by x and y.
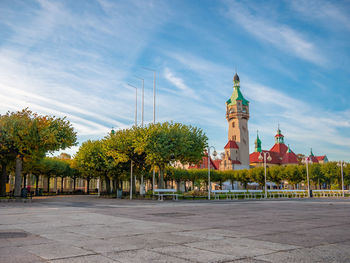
pixel 91 229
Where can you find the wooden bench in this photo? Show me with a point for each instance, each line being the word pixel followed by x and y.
pixel 162 192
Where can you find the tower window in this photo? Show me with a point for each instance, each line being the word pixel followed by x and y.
pixel 234 137
pixel 233 124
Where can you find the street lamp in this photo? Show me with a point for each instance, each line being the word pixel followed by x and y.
pixel 263 157
pixel 154 115
pixel 209 184
pixel 307 160
pixel 342 164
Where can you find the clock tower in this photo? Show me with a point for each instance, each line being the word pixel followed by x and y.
pixel 237 115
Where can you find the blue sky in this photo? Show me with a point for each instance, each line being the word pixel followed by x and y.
pixel 75 59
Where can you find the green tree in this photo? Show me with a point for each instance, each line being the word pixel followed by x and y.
pixel 165 143
pixel 90 160
pixel 28 134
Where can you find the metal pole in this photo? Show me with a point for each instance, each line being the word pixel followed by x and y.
pixel 131 181
pixel 136 108
pixel 135 103
pixel 98 187
pixel 209 173
pixel 154 98
pixel 265 175
pixel 154 119
pixel 307 178
pixel 154 115
pixel 143 99
pixel 342 177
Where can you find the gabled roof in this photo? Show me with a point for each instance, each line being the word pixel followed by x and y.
pixel 231 144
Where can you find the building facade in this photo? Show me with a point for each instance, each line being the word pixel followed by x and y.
pixel 236 154
pixel 280 153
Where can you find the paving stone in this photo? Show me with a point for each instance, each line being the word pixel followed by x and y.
pixel 144 256
pixel 327 253
pixel 18 255
pixel 121 244
pixel 194 254
pixel 235 247
pixel 56 250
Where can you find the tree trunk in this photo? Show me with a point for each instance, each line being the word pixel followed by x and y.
pixel 48 184
pixel 74 182
pixel 161 177
pixel 3 180
pixel 108 184
pixel 88 186
pixel 18 176
pixel 24 181
pixel 37 185
pixel 178 185
pixel 62 184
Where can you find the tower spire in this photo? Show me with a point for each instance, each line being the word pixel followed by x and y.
pixel 257 142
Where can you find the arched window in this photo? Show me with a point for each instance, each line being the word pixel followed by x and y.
pixel 233 124
pixel 234 138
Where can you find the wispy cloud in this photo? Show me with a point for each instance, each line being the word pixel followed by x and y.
pixel 326 12
pixel 277 34
pixel 179 83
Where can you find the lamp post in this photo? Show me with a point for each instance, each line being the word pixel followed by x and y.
pixel 307 160
pixel 263 157
pixel 209 183
pixel 154 115
pixel 342 164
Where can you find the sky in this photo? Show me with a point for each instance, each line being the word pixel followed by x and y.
pixel 76 59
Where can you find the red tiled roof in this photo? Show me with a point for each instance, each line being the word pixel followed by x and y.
pixel 320 158
pixel 290 157
pixel 279 135
pixel 217 163
pixel 235 162
pixel 280 148
pixel 231 144
pixel 275 157
pixel 204 164
pixel 313 159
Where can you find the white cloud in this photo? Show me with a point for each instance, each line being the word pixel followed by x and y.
pixel 179 83
pixel 279 35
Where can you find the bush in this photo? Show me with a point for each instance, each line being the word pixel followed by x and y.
pixel 196 193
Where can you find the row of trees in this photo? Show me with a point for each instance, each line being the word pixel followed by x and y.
pixel 25 138
pixel 321 175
